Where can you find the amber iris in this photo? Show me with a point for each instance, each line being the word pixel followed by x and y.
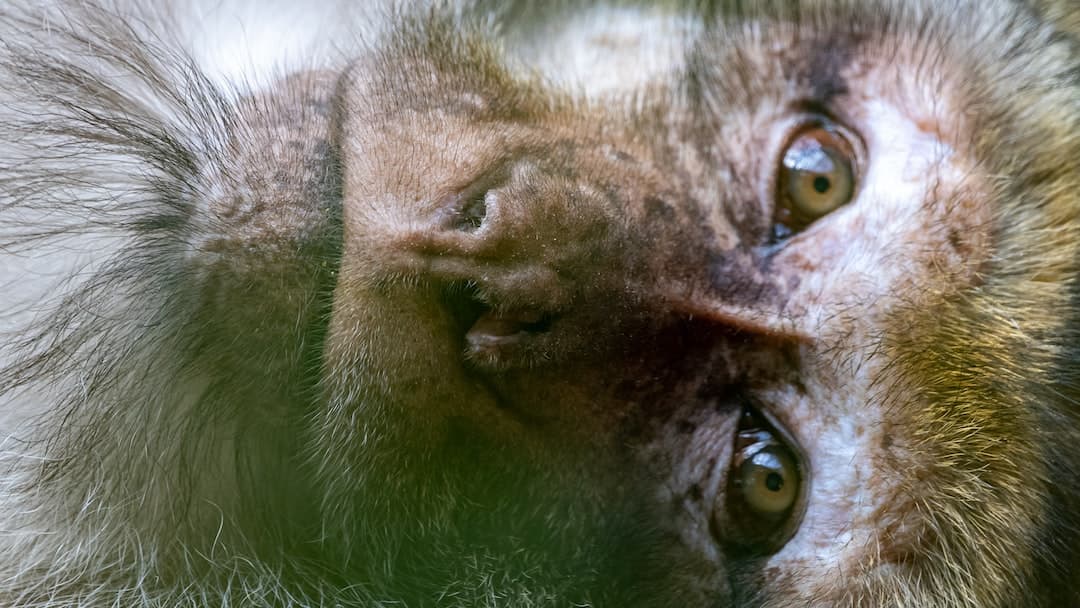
pixel 762 505
pixel 817 177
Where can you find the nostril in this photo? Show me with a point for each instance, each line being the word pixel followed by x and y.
pixel 469 208
pixel 471 214
pixel 493 329
pixel 466 307
pixel 466 211
pixel 492 336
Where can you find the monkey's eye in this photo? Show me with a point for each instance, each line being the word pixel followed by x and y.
pixel 817 177
pixel 765 485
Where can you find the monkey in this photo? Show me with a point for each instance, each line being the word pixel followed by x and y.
pixel 786 320
pixel 232 493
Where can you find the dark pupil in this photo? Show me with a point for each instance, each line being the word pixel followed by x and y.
pixel 773 481
pixel 821 184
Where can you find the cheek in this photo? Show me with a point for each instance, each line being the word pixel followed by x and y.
pixel 842 420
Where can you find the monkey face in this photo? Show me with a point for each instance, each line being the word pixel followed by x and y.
pixel 852 172
pixel 735 313
pixel 473 260
pixel 730 319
